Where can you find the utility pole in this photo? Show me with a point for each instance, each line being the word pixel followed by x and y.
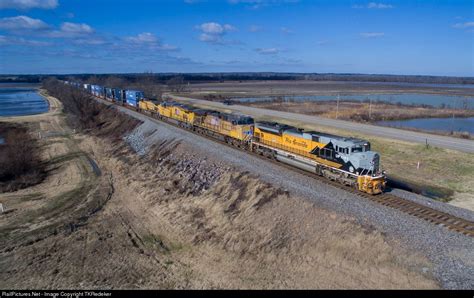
pixel 452 124
pixel 337 107
pixel 370 107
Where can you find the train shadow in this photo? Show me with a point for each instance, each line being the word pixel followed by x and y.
pixel 432 192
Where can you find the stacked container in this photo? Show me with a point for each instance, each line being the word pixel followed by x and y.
pixel 117 95
pixel 133 97
pixel 108 93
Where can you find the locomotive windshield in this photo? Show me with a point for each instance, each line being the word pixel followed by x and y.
pixel 361 148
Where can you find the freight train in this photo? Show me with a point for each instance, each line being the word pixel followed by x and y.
pixel 348 161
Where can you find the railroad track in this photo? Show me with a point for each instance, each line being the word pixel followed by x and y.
pixel 436 217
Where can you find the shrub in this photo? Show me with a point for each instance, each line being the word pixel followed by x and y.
pixel 20 164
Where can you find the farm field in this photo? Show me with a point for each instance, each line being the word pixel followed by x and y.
pixel 239 89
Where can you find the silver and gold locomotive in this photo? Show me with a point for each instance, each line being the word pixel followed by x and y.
pixel 347 160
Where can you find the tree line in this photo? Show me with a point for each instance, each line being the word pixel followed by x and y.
pixel 166 78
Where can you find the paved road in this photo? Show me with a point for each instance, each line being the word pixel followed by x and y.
pixel 380 131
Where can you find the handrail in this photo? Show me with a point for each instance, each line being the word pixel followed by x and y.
pixel 286 148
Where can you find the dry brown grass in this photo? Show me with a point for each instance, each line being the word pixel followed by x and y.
pixel 240 233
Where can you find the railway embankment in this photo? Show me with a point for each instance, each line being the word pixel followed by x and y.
pixel 437 244
pixel 186 212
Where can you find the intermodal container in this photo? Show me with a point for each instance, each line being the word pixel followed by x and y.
pixel 96 90
pixel 108 93
pixel 117 95
pixel 133 97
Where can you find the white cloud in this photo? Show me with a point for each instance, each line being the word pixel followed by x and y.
pixel 22 23
pixel 213 32
pixel 72 30
pixel 209 38
pixel 379 5
pixel 463 25
pixel 374 5
pixel 145 37
pixel 372 34
pixel 168 47
pixel 286 30
pixel 75 28
pixel 255 28
pixel 256 4
pixel 10 40
pixel 148 40
pixel 267 51
pixel 92 41
pixel 27 25
pixel 28 4
pixel 216 28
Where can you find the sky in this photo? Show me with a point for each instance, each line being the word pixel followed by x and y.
pixel 430 37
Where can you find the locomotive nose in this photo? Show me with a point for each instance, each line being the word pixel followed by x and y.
pixel 375 162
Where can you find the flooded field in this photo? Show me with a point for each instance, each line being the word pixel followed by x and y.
pixel 21 99
pixel 444 101
pixel 435 124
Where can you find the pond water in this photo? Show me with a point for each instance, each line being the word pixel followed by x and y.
pixel 458 102
pixel 21 99
pixel 434 124
pixel 430 85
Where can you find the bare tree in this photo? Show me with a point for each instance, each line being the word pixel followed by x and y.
pixel 115 82
pixel 150 85
pixel 176 84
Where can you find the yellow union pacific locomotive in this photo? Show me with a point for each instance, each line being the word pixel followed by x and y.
pixel 235 129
